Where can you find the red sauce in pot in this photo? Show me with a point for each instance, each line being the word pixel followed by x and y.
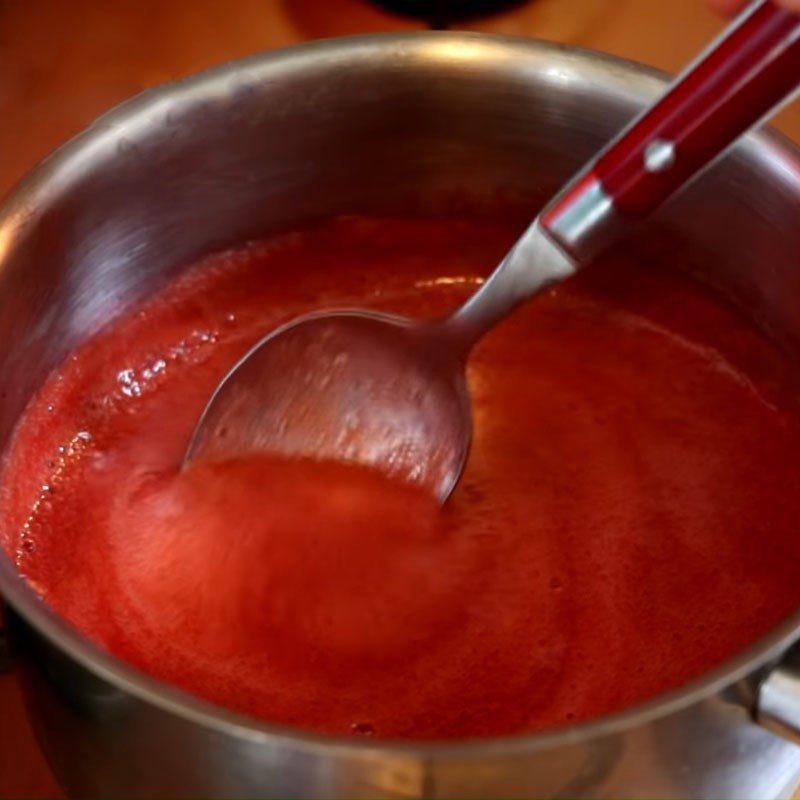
pixel 627 520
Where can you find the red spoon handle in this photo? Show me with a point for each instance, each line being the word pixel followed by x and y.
pixel 745 74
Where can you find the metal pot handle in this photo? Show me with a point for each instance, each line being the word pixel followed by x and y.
pixel 777 706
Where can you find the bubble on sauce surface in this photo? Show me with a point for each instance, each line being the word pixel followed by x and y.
pixel 128 384
pixel 362 729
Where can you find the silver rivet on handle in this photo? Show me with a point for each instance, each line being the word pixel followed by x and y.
pixel 659 155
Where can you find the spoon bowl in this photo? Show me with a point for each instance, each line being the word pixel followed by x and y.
pixel 355 386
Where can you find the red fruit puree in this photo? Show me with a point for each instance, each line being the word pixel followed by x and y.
pixel 627 519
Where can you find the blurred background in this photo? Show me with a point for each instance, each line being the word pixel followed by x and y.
pixel 63 62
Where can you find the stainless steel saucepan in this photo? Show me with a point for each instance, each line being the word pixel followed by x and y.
pixel 276 140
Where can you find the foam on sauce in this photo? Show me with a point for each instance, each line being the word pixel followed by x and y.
pixel 627 520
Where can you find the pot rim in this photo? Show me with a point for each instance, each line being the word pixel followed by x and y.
pixel 767 148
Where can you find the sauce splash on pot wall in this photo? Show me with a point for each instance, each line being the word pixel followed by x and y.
pixel 627 519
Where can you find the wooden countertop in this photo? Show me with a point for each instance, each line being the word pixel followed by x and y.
pixel 63 62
